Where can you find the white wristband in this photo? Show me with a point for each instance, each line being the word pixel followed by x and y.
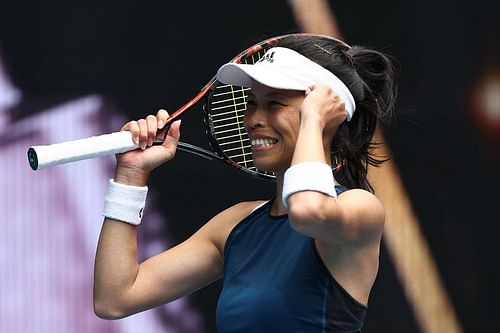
pixel 308 176
pixel 125 203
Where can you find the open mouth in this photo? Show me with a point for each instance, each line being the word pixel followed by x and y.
pixel 263 143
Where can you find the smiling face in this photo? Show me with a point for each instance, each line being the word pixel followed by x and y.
pixel 272 122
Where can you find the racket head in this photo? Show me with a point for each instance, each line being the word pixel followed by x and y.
pixel 225 105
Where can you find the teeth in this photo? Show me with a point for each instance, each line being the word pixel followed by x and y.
pixel 263 142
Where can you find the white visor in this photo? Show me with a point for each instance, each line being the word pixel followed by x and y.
pixel 283 68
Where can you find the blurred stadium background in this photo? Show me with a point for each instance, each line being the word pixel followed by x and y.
pixel 79 68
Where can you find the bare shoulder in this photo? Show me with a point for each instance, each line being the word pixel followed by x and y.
pixel 219 227
pixel 234 214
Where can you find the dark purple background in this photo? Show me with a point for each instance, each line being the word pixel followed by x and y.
pixel 150 54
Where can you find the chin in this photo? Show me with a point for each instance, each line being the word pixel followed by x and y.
pixel 263 166
pixel 269 166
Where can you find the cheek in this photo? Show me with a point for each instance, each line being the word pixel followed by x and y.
pixel 291 121
pixel 247 120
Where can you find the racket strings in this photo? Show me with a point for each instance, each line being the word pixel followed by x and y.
pixel 227 106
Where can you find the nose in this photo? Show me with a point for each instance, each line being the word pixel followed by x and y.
pixel 254 117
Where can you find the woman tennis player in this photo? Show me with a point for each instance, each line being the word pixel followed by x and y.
pixel 302 262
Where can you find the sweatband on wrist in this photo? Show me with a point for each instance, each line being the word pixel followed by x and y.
pixel 125 203
pixel 308 176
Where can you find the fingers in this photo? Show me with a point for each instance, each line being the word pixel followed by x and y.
pixel 144 131
pixel 174 130
pixel 310 89
pixel 324 93
pixel 162 116
pixel 132 127
pixel 152 128
pixel 143 134
pixel 325 104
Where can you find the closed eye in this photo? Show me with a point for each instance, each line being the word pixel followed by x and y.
pixel 251 102
pixel 275 103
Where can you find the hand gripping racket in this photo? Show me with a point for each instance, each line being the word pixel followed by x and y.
pixel 223 109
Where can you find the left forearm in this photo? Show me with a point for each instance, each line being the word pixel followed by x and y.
pixel 310 145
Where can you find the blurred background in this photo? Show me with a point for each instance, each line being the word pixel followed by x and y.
pixel 71 69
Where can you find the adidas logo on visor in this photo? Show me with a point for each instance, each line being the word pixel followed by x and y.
pixel 290 70
pixel 269 56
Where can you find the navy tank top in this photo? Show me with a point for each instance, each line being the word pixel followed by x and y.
pixel 275 281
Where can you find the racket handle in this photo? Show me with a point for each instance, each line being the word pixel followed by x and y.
pixel 40 157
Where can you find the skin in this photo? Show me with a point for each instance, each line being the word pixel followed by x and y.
pixel 298 127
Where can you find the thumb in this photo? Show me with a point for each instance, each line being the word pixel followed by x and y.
pixel 174 130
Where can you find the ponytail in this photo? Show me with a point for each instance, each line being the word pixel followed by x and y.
pixel 377 72
pixel 371 78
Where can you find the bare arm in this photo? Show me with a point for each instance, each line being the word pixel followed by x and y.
pixel 347 229
pixel 354 216
pixel 122 286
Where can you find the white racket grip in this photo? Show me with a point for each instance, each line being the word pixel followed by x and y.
pixel 44 156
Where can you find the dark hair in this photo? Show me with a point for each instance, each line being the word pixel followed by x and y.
pixel 371 77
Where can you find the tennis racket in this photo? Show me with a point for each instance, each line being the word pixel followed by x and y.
pixel 223 109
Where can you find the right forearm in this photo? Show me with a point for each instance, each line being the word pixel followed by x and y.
pixel 116 263
pixel 116 266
